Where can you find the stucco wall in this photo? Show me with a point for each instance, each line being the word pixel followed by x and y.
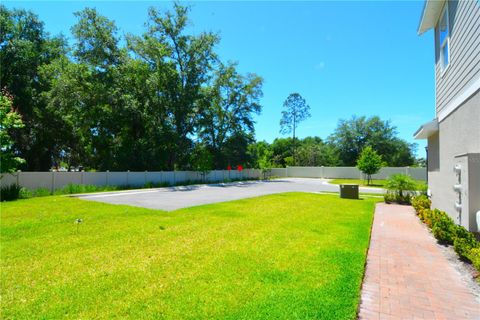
pixel 459 133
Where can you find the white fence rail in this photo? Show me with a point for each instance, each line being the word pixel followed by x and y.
pixel 57 180
pixel 350 172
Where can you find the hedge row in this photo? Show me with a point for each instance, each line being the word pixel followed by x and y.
pixel 447 232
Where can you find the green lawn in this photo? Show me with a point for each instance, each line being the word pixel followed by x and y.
pixel 290 256
pixel 360 182
pixel 373 183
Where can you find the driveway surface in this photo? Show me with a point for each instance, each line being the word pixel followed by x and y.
pixel 174 198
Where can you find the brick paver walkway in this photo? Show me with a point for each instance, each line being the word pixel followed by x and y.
pixel 407 275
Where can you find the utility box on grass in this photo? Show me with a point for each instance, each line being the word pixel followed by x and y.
pixel 349 191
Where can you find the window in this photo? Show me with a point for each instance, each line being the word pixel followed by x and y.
pixel 444 38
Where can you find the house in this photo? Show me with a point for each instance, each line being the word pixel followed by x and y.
pixel 453 152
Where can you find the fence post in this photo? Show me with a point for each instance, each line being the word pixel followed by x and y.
pixel 286 172
pixel 406 171
pixel 53 182
pixel 128 173
pixel 81 177
pixel 106 177
pixel 322 172
pixel 174 178
pixel 18 177
pixel 145 177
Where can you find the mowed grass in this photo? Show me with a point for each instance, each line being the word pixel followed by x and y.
pixel 373 183
pixel 284 256
pixel 360 182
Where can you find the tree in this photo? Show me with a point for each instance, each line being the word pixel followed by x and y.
pixel 313 152
pixel 297 110
pixel 24 48
pixel 185 68
pixel 369 162
pixel 281 150
pixel 352 136
pixel 265 164
pixel 147 103
pixel 227 113
pixel 9 122
pixel 203 161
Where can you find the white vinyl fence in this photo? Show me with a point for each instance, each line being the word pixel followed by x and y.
pixel 57 180
pixel 348 172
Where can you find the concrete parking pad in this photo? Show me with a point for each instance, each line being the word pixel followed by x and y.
pixel 407 275
pixel 187 196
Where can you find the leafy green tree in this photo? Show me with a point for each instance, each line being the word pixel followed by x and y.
pixel 312 151
pixel 143 103
pixel 203 160
pixel 352 136
pixel 258 150
pixel 96 49
pixel 10 121
pixel 24 48
pixel 97 40
pixel 296 111
pixel 265 164
pixel 228 112
pixel 369 162
pixel 185 68
pixel 281 150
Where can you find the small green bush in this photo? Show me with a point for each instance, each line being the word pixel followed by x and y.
pixel 428 217
pixel 461 232
pixel 474 256
pixel 41 192
pixel 25 193
pixel 401 188
pixel 464 242
pixel 9 193
pixel 422 187
pixel 421 202
pixel 389 197
pixel 444 229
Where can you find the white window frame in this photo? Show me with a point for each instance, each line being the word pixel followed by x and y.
pixel 446 41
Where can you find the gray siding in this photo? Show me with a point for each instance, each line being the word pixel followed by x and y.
pixel 464 17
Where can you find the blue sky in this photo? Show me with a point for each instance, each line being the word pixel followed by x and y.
pixel 344 58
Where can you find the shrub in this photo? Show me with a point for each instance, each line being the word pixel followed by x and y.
pixel 464 242
pixel 474 256
pixel 461 232
pixel 421 202
pixel 422 187
pixel 421 214
pixel 41 192
pixel 444 228
pixel 463 246
pixel 25 193
pixel 389 197
pixel 402 187
pixel 430 217
pixel 9 193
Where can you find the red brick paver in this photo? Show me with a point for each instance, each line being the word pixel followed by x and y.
pixel 407 276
